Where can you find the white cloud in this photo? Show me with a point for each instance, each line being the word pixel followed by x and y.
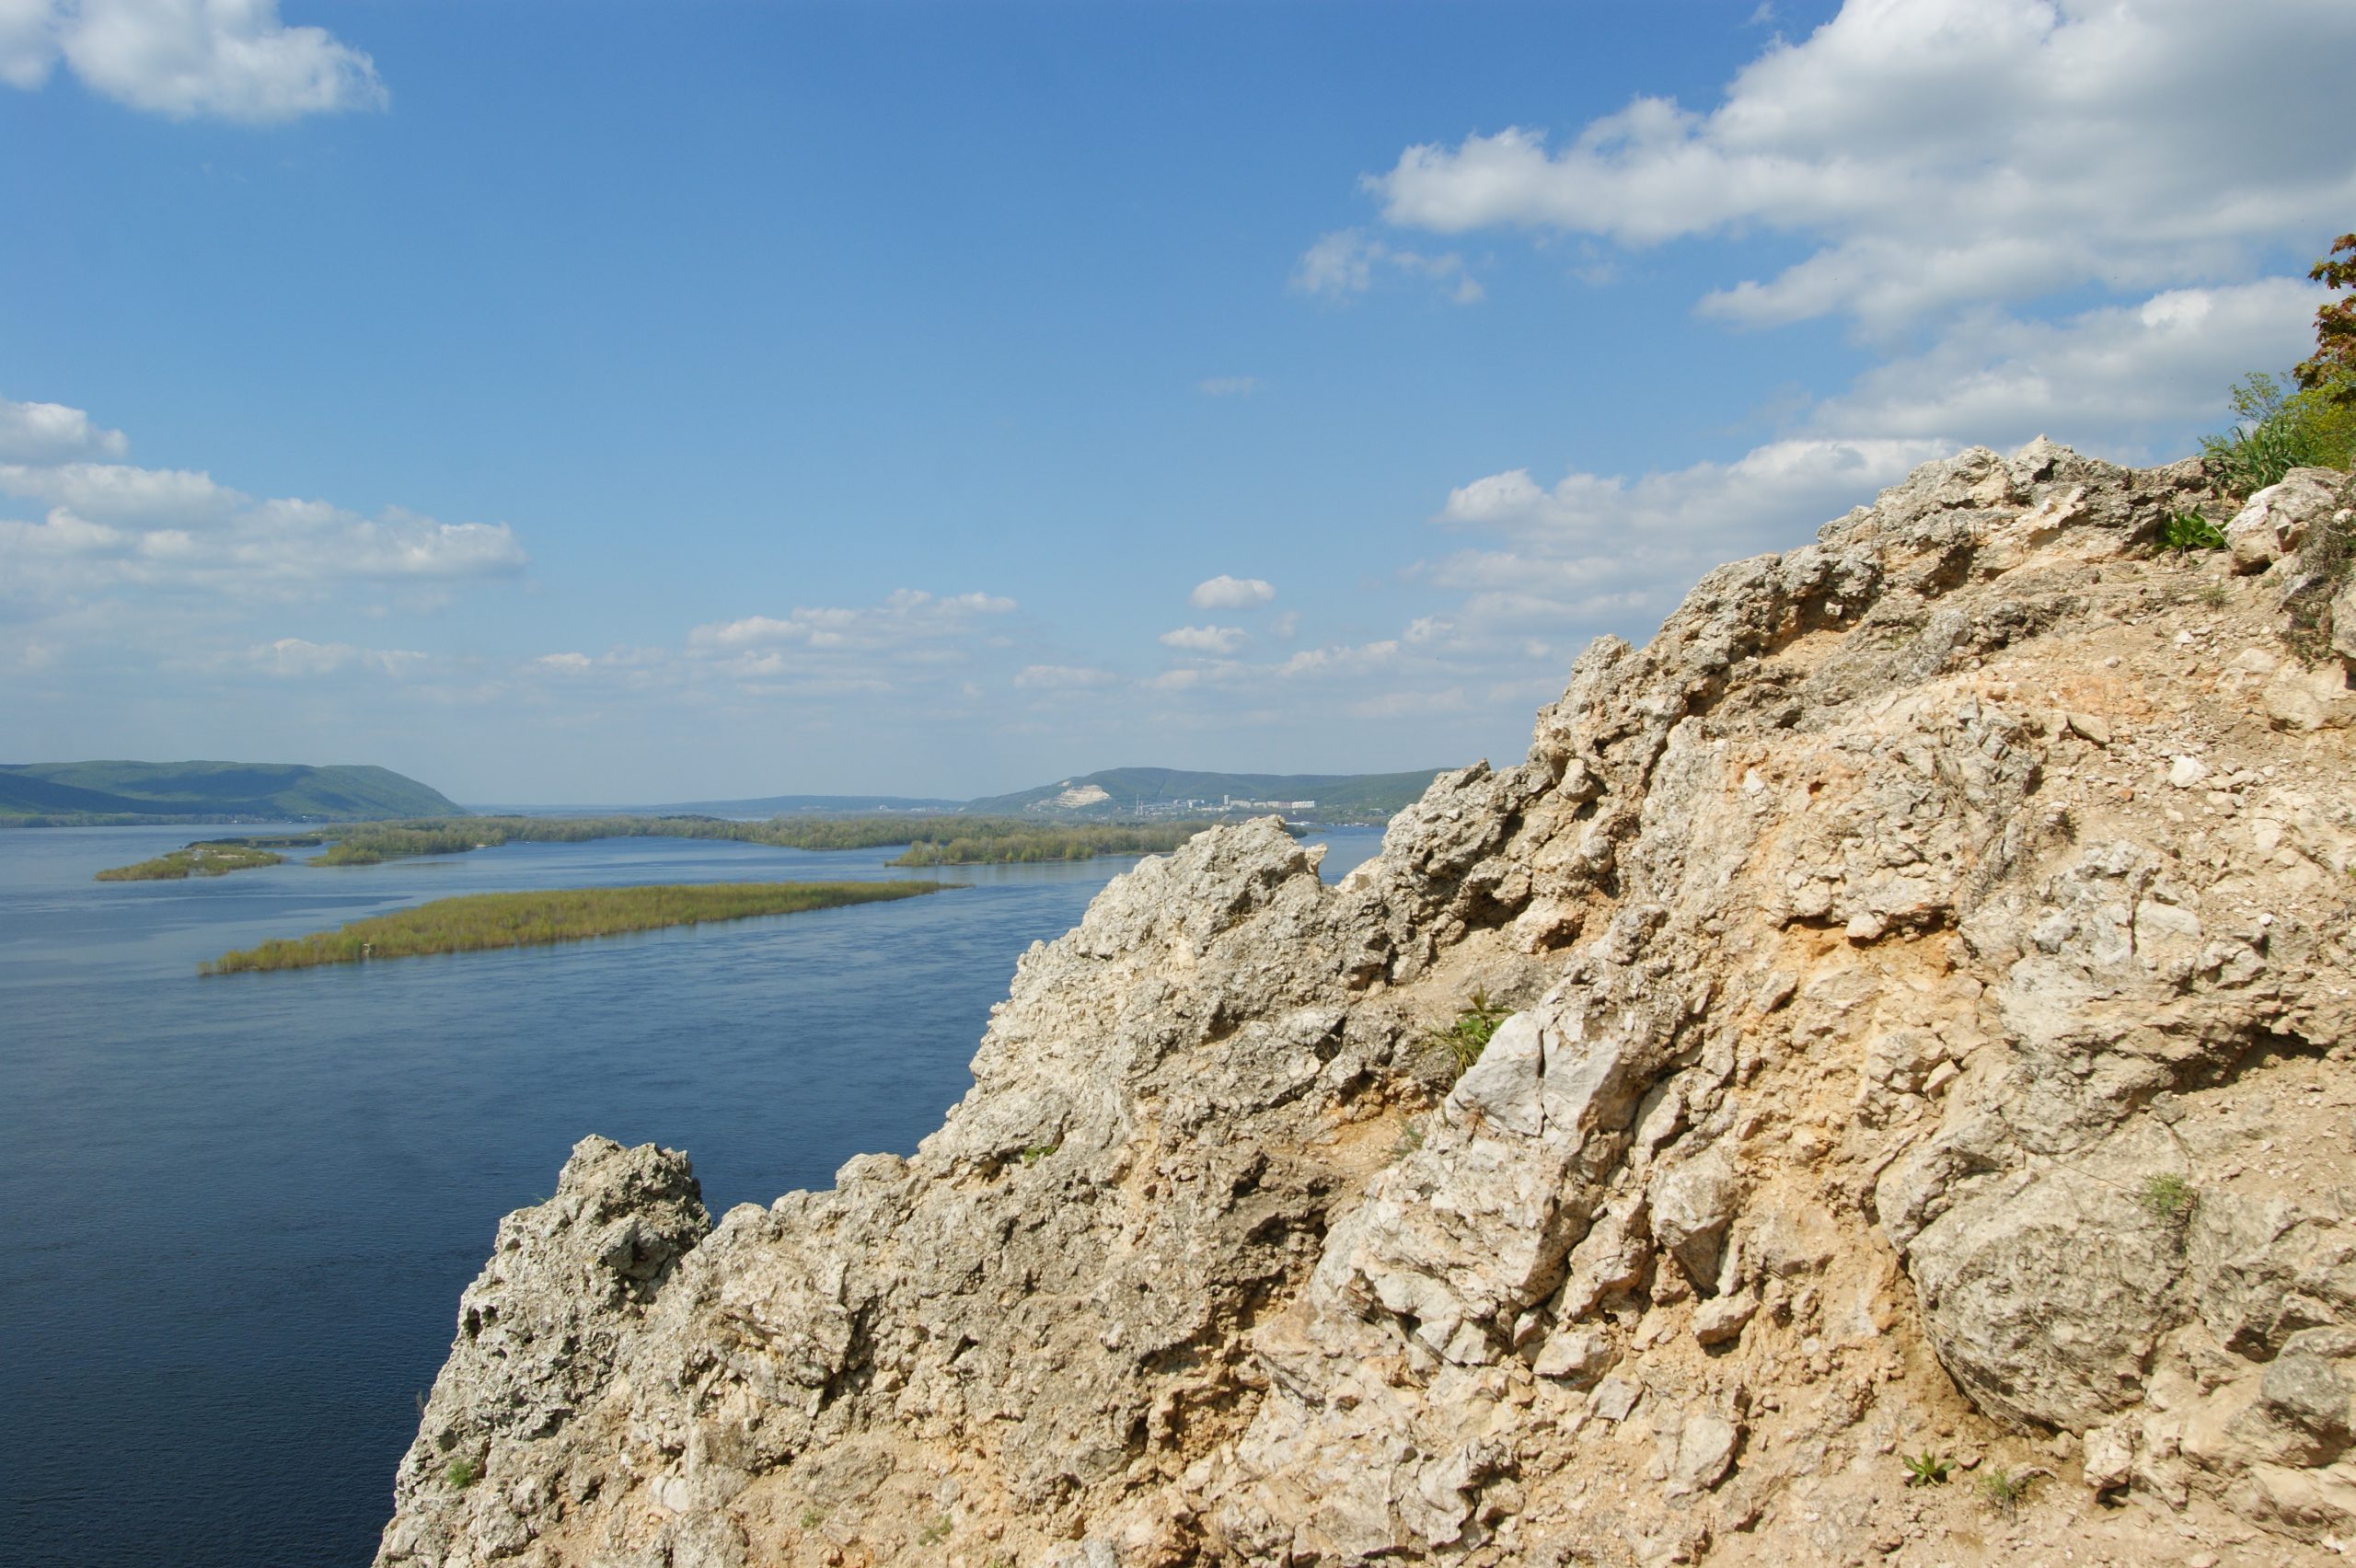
pixel 143 562
pixel 1340 660
pixel 116 492
pixel 1947 152
pixel 1225 592
pixel 1593 552
pixel 1228 386
pixel 914 646
pixel 622 669
pixel 227 552
pixel 52 433
pixel 2103 379
pixel 1204 639
pixel 294 658
pixel 1063 677
pixel 907 617
pixel 1595 546
pixel 187 59
pixel 1417 704
pixel 1346 263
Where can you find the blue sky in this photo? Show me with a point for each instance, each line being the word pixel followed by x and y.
pixel 635 402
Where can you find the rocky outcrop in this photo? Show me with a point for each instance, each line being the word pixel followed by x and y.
pixel 1933 985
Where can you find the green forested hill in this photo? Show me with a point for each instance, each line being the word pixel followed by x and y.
pixel 81 791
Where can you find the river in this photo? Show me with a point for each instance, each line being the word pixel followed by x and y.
pixel 241 1209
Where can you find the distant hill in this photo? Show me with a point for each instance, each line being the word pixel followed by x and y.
pixel 199 791
pixel 1125 791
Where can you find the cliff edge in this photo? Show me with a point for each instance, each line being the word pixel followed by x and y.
pixel 1933 966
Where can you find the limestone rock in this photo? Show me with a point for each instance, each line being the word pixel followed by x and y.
pixel 2277 519
pixel 1892 1066
pixel 1722 1321
pixel 2302 699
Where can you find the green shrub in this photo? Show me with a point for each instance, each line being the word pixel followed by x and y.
pixel 462 1472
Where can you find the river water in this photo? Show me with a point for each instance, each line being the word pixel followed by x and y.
pixel 240 1210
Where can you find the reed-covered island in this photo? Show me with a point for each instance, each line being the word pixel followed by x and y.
pixel 480 921
pixel 208 858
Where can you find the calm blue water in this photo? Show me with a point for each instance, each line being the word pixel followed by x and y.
pixel 240 1211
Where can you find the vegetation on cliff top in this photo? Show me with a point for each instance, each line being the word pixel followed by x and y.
pixel 2307 419
pixel 478 922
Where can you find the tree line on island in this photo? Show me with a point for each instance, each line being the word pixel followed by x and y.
pixel 936 841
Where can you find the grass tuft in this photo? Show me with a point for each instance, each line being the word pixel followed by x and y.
pixel 2004 1489
pixel 2168 1195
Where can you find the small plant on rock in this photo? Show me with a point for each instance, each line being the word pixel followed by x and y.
pixel 811 1518
pixel 2004 1489
pixel 2186 531
pixel 462 1472
pixel 1037 1152
pixel 1927 1469
pixel 934 1533
pixel 1470 1034
pixel 2167 1195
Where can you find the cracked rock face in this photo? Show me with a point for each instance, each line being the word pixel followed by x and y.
pixel 1930 973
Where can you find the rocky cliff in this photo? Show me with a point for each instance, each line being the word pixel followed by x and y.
pixel 1934 1005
